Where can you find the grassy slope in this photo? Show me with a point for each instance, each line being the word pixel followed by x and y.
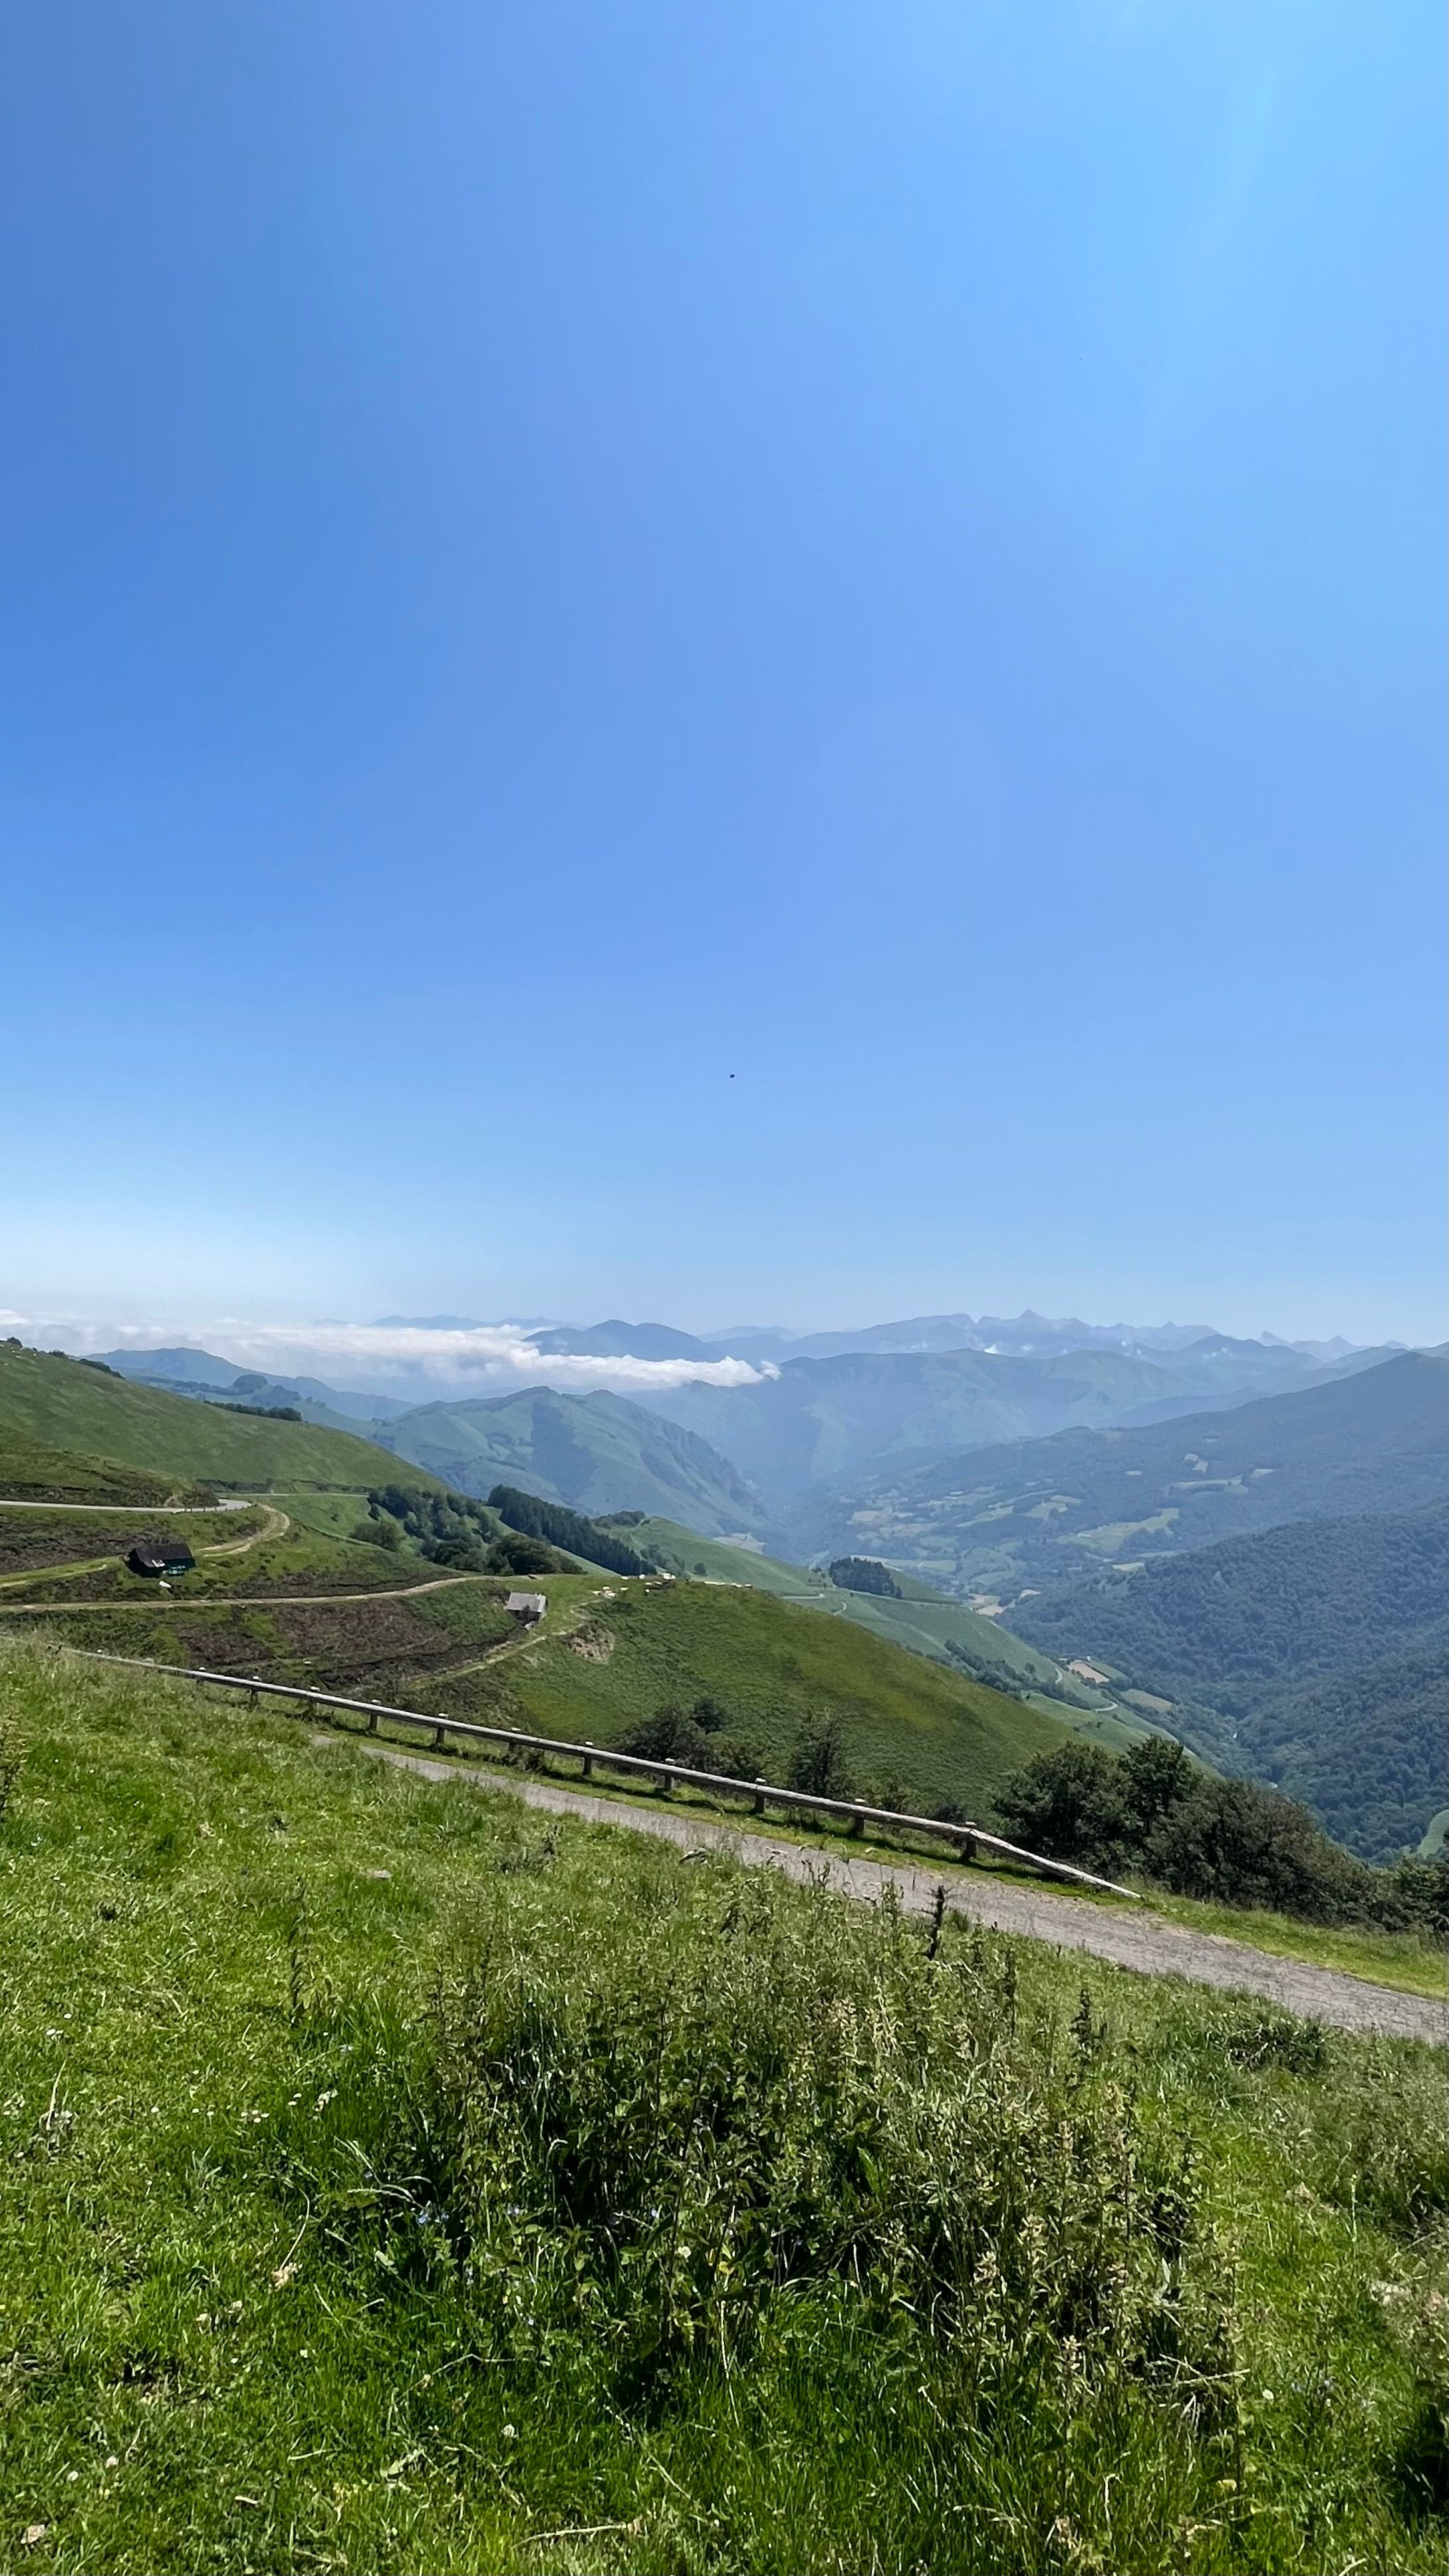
pixel 917 1731
pixel 32 1541
pixel 923 1623
pixel 773 1664
pixel 66 1406
pixel 31 1471
pixel 215 1943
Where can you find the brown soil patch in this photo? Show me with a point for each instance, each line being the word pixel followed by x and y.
pixel 593 1643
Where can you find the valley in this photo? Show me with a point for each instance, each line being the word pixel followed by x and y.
pixel 1016 1561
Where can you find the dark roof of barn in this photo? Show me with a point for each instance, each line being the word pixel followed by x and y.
pixel 161 1552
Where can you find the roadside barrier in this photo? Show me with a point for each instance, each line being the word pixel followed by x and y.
pixel 965 1839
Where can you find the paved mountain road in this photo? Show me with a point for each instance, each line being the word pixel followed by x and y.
pixel 1138 1940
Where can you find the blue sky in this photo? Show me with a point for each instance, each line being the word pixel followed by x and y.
pixel 723 662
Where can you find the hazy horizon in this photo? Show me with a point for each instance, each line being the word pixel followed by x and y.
pixel 478 1358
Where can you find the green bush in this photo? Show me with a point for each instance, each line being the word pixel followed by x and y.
pixel 654 2139
pixel 1153 1810
pixel 818 1763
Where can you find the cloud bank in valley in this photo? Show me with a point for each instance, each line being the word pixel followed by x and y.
pixel 421 1359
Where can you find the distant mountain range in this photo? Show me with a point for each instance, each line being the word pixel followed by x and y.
pixel 1024 1336
pixel 1043 1513
pixel 818 1422
pixel 793 1455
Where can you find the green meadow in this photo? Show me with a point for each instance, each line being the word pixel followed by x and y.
pixel 395 2179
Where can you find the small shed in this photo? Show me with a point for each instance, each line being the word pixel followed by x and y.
pixel 159 1556
pixel 527 1606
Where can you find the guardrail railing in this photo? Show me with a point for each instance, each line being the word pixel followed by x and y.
pixel 966 1839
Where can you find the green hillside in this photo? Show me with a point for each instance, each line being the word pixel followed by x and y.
pixel 924 1622
pixel 1314 1653
pixel 31 1472
pixel 68 1405
pixel 274 1595
pixel 1364 1750
pixel 597 1453
pixel 1040 1513
pixel 310 2238
pixel 925 1732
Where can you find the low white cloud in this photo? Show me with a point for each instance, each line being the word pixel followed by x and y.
pixel 390 1358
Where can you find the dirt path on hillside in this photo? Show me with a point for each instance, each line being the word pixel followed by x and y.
pixel 1138 1940
pixel 215 1600
pixel 277 1525
pixel 193 1511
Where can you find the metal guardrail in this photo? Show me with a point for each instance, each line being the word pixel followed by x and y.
pixel 965 1838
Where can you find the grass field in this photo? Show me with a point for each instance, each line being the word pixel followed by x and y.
pixel 911 1727
pixel 924 1622
pixel 68 1407
pixel 393 2182
pixel 30 1471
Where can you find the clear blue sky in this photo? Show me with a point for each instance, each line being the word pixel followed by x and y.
pixel 558 554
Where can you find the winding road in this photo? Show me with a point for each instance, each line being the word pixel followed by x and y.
pixel 1140 1940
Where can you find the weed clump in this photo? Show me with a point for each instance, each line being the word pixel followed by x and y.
pixel 662 2141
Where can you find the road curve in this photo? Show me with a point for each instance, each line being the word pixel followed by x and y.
pixel 1138 1940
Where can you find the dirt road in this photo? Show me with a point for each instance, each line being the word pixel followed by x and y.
pixel 211 1600
pixel 276 1526
pixel 1138 1940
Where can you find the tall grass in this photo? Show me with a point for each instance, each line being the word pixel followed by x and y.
pixel 387 2184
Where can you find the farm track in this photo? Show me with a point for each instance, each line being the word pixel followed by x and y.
pixel 224 1600
pixel 1143 1942
pixel 278 1524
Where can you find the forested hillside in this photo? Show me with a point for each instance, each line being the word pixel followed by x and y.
pixel 1306 1650
pixel 1363 1750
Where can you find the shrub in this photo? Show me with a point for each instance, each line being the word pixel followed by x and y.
pixel 381 1532
pixel 653 2138
pixel 670 1736
pixel 1068 1805
pixel 1154 1810
pixel 818 1763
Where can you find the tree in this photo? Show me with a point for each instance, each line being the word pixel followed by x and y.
pixel 1067 1805
pixel 670 1736
pixel 818 1763
pixel 1155 1775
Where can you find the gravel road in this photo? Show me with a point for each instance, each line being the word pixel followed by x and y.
pixel 1128 1939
